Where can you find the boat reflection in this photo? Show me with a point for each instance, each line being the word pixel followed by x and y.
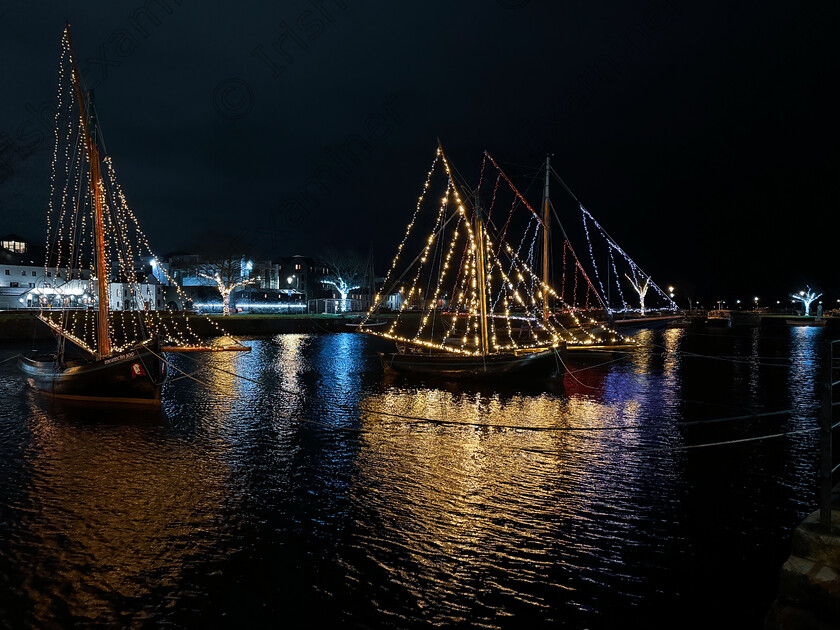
pixel 113 511
pixel 462 482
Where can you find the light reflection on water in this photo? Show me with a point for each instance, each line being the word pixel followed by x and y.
pixel 319 489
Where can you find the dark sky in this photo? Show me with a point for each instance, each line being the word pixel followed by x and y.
pixel 700 134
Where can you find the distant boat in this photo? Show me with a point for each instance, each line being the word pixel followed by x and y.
pixel 646 322
pixel 360 323
pixel 719 317
pixel 806 321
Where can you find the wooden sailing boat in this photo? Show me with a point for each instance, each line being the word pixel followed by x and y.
pixel 94 236
pixel 475 336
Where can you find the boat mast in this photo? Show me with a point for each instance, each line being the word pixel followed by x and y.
pixel 546 236
pixel 480 270
pixel 97 191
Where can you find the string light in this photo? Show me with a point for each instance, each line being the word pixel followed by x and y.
pixel 518 285
pixel 70 243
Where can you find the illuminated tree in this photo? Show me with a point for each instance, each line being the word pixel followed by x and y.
pixel 641 289
pixel 346 273
pixel 806 297
pixel 228 273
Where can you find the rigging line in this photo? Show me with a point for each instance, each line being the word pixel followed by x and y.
pixel 565 367
pixel 514 188
pixel 421 419
pixel 577 260
pixel 725 442
pixel 218 369
pixel 729 359
pixel 385 413
pixel 420 255
pixel 562 183
pixel 547 429
pixel 633 266
pixel 597 365
pixel 10 358
pixel 211 386
pixel 666 449
pixel 731 418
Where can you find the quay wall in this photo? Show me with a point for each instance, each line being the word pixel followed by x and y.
pixel 24 325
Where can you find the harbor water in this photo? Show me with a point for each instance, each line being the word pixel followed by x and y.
pixel 320 490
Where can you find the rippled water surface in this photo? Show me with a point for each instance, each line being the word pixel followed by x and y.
pixel 323 491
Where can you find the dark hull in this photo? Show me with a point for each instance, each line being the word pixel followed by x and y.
pixel 600 353
pixel 646 323
pixel 805 321
pixel 719 323
pixel 446 365
pixel 134 376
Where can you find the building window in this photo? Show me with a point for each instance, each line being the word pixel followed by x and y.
pixel 16 246
pixel 33 273
pixel 7 272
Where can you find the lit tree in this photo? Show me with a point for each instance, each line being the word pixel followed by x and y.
pixel 228 274
pixel 641 289
pixel 806 297
pixel 346 273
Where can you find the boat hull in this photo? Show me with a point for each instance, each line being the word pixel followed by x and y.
pixel 599 353
pixel 805 321
pixel 719 323
pixel 646 323
pixel 446 365
pixel 133 377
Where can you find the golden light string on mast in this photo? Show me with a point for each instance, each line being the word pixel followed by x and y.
pixel 444 268
pixel 432 239
pixel 420 262
pixel 178 338
pixel 408 229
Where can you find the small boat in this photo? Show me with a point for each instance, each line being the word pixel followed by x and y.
pixel 133 377
pixel 719 317
pixel 806 321
pixel 647 322
pixel 599 352
pixel 360 323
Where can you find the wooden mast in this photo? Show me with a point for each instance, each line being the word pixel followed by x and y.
pixel 479 258
pixel 480 270
pixel 546 237
pixel 97 191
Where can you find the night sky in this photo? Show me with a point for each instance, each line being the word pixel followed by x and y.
pixel 702 135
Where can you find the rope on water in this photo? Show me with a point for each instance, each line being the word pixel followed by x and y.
pixel 10 358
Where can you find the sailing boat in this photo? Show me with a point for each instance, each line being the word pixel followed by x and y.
pixel 477 339
pixel 95 235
